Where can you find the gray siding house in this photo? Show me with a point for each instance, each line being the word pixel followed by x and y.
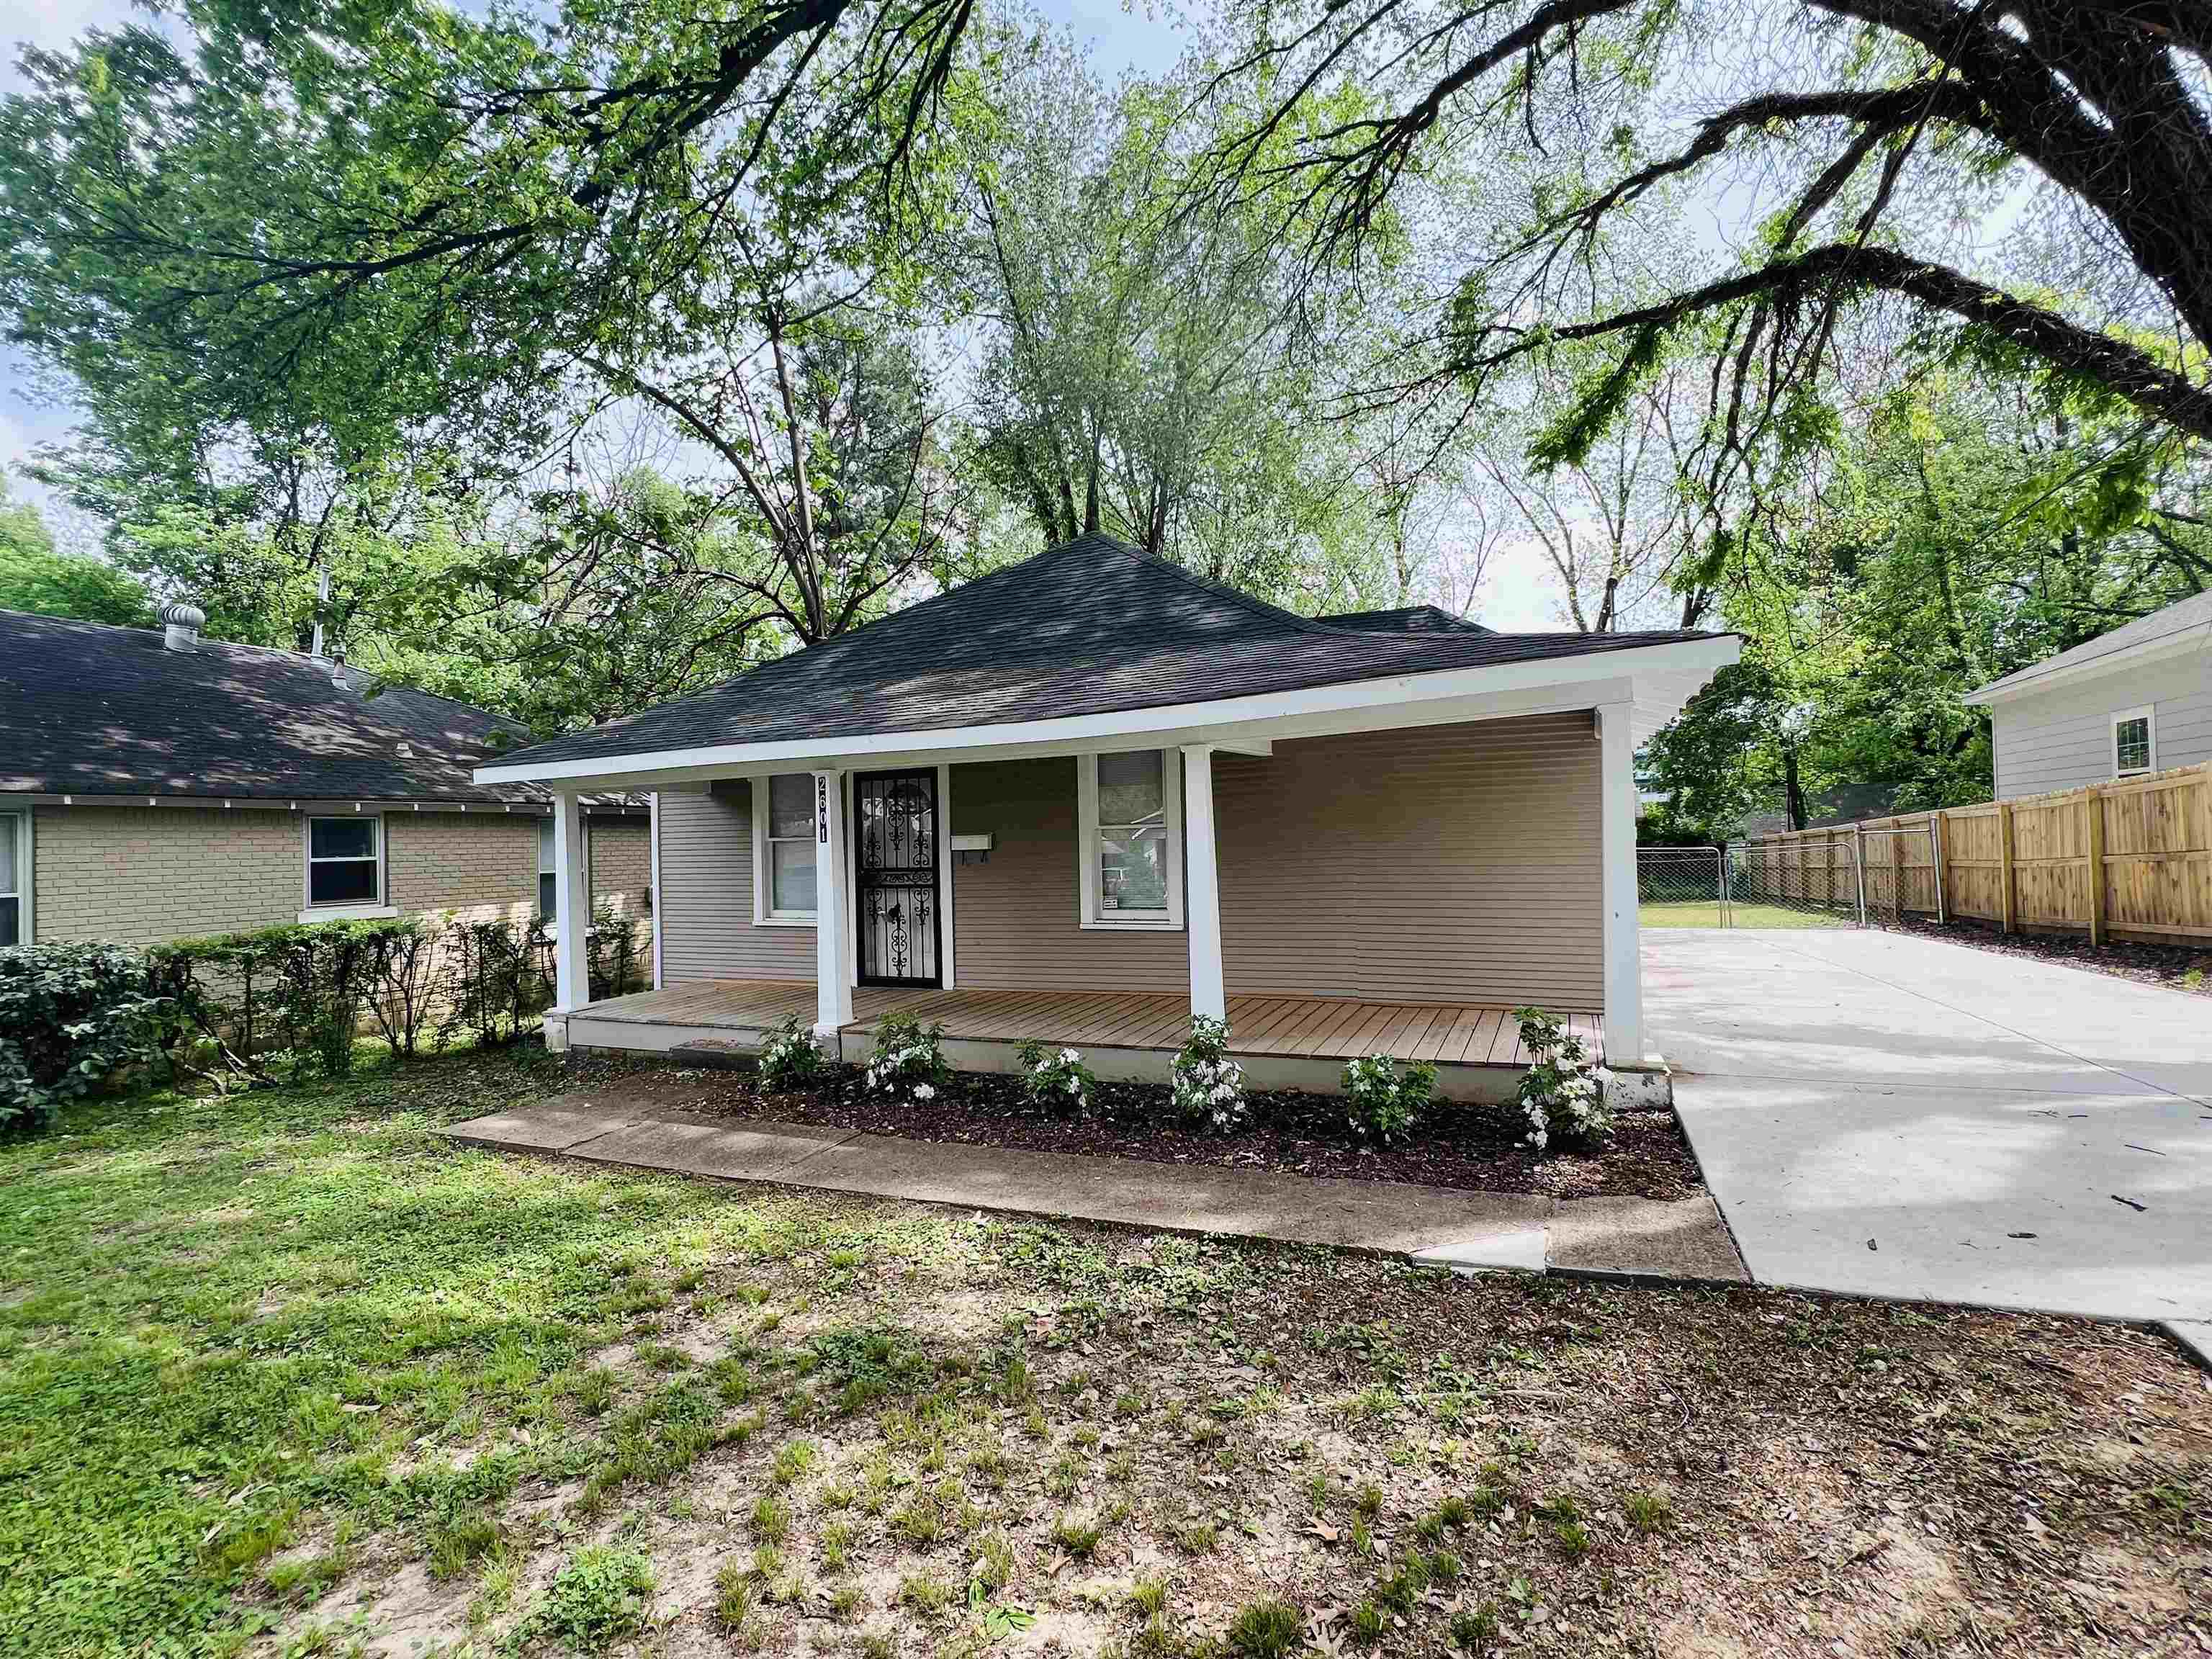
pixel 2135 700
pixel 1091 797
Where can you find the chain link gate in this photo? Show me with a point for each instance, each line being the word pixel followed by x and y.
pixel 1682 887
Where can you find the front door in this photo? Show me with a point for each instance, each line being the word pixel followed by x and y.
pixel 896 908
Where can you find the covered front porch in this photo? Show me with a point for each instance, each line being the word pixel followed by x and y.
pixel 1281 1041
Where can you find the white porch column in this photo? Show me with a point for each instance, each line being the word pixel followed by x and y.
pixel 572 905
pixel 1624 968
pixel 833 979
pixel 1202 915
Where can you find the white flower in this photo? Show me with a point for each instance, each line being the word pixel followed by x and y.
pixel 923 1091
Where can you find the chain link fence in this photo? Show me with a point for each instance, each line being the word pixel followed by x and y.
pixel 1751 886
pixel 1682 887
pixel 1815 884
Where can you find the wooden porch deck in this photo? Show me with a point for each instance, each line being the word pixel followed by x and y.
pixel 1304 1028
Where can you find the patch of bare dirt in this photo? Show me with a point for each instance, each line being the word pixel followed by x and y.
pixel 1569 1467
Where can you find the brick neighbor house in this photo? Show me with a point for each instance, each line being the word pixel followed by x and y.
pixel 154 784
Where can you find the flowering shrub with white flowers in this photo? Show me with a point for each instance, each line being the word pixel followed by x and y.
pixel 1056 1079
pixel 1209 1086
pixel 1384 1103
pixel 1562 1093
pixel 790 1059
pixel 909 1059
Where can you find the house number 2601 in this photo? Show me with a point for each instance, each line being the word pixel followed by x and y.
pixel 822 810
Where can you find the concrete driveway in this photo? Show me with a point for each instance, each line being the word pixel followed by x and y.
pixel 1894 1115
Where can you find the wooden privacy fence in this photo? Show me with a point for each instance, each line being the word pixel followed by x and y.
pixel 2115 861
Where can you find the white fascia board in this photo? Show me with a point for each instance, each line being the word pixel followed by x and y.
pixel 2127 656
pixel 1402 700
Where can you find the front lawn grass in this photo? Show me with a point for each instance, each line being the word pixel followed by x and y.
pixel 286 1372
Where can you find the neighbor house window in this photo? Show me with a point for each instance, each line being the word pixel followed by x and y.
pixel 2135 742
pixel 548 888
pixel 14 878
pixel 1131 808
pixel 345 862
pixel 784 831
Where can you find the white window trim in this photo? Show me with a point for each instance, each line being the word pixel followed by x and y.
pixel 27 921
pixel 2148 715
pixel 1086 836
pixel 311 911
pixel 762 916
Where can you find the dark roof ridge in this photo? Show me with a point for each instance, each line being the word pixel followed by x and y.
pixel 1220 589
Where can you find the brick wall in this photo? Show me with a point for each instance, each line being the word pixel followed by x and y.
pixel 137 875
pixel 622 864
pixel 481 865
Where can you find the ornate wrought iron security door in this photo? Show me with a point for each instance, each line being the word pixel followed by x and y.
pixel 896 908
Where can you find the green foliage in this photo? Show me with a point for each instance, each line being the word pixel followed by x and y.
pixel 496 979
pixel 71 1017
pixel 791 1058
pixel 1384 1103
pixel 1960 531
pixel 614 956
pixel 1270 1628
pixel 34 577
pixel 909 1058
pixel 1209 1086
pixel 1562 1095
pixel 600 1594
pixel 1055 1080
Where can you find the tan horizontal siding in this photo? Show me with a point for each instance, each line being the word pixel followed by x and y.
pixel 706 907
pixel 1015 918
pixel 1444 863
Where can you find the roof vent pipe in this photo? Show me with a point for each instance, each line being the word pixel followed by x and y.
pixel 181 626
pixel 338 669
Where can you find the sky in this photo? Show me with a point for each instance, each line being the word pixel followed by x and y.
pixel 1142 36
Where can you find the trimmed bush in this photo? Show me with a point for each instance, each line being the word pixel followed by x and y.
pixel 1562 1094
pixel 71 1016
pixel 275 1004
pixel 909 1058
pixel 791 1058
pixel 1383 1102
pixel 1056 1079
pixel 1209 1086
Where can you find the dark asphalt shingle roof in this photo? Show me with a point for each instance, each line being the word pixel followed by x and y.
pixel 1091 627
pixel 87 709
pixel 1405 619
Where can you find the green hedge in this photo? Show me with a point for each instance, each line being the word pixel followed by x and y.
pixel 71 1017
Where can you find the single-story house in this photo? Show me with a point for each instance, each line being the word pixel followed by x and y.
pixel 156 785
pixel 1091 795
pixel 2127 703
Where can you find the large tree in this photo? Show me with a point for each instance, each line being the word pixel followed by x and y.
pixel 1161 374
pixel 1859 142
pixel 1960 533
pixel 357 224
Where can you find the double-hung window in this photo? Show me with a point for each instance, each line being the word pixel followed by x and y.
pixel 345 863
pixel 783 848
pixel 549 885
pixel 14 878
pixel 1131 844
pixel 2135 742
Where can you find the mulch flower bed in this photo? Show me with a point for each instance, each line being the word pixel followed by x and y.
pixel 1475 1148
pixel 2179 967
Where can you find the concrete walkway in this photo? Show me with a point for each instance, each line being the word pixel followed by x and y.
pixel 1890 1115
pixel 1629 1236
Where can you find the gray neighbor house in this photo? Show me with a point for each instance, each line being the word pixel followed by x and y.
pixel 2135 700
pixel 1091 796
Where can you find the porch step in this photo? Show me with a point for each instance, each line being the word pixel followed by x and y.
pixel 716 1055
